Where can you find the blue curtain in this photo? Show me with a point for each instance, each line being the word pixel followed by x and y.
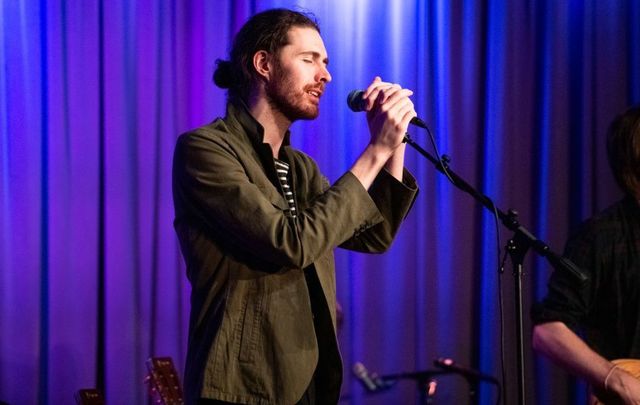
pixel 94 93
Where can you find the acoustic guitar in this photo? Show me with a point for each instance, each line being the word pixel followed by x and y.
pixel 163 382
pixel 632 366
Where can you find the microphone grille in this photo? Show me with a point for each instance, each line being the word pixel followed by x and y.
pixel 359 369
pixel 354 100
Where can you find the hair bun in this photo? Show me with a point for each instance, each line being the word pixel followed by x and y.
pixel 223 75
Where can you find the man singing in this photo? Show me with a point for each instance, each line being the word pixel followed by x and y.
pixel 257 221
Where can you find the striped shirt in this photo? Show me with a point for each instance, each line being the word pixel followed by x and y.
pixel 282 170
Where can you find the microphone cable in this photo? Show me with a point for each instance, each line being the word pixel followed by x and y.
pixel 443 160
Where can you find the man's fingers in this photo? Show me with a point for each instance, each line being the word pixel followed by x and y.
pixel 385 97
pixel 402 114
pixel 376 82
pixel 409 114
pixel 394 96
pixel 379 94
pixel 392 101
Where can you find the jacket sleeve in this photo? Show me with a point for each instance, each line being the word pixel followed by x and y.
pixel 211 187
pixel 393 199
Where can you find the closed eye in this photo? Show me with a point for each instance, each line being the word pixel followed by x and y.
pixel 313 57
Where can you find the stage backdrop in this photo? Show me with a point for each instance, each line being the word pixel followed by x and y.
pixel 94 93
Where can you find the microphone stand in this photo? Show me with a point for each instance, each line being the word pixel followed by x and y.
pixel 424 380
pixel 517 247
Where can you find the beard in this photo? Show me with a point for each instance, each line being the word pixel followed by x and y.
pixel 283 96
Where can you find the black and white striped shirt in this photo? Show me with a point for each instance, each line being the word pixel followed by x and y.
pixel 282 169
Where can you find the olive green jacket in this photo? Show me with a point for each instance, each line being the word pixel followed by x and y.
pixel 251 329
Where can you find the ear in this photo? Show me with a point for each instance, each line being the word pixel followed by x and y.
pixel 262 64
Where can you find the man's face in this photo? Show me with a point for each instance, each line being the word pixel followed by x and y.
pixel 299 75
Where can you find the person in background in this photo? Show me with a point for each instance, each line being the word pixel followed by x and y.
pixel 607 309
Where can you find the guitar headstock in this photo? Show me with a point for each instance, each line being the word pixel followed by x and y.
pixel 163 381
pixel 89 396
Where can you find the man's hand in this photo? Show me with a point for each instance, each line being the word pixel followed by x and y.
pixel 556 341
pixel 389 111
pixel 622 388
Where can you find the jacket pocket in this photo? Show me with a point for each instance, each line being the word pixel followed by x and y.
pixel 249 328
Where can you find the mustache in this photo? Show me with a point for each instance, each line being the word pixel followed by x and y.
pixel 319 88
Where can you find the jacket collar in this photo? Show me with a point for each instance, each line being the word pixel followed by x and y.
pixel 239 117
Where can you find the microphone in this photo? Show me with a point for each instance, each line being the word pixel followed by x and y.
pixel 362 374
pixel 356 103
pixel 381 382
pixel 449 364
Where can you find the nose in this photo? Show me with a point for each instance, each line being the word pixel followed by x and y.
pixel 324 75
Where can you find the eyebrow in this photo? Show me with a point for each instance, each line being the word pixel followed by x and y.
pixel 316 55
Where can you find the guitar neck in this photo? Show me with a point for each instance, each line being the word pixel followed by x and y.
pixel 164 383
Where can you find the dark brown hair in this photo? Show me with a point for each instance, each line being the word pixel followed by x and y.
pixel 623 150
pixel 265 31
